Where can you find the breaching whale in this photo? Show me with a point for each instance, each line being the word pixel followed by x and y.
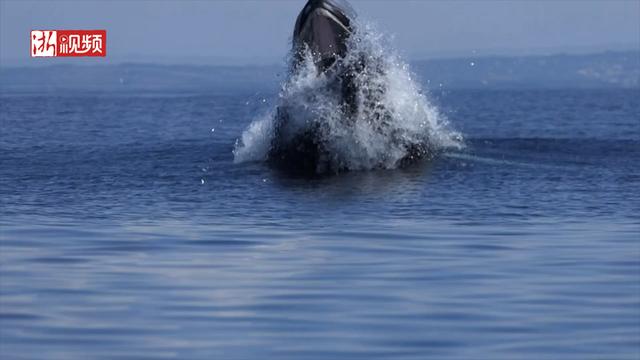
pixel 324 30
pixel 324 26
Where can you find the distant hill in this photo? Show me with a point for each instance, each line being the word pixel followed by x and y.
pixel 138 77
pixel 603 70
pixel 609 69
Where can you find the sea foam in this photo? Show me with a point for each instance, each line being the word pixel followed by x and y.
pixel 366 141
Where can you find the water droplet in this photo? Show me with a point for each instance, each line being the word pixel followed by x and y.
pixel 472 64
pixel 213 129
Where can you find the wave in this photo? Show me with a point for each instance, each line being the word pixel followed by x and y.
pixel 393 120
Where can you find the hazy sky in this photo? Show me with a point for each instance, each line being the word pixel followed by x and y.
pixel 260 30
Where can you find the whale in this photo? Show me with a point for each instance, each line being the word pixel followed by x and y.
pixel 325 30
pixel 324 27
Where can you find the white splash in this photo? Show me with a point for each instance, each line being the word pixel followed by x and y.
pixel 378 135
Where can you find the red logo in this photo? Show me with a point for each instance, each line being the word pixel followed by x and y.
pixel 64 43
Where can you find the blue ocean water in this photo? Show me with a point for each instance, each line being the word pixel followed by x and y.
pixel 127 231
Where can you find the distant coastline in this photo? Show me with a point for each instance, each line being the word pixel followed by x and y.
pixel 612 69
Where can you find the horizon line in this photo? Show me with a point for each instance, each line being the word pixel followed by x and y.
pixel 242 62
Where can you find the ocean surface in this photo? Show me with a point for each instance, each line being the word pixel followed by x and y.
pixel 128 231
